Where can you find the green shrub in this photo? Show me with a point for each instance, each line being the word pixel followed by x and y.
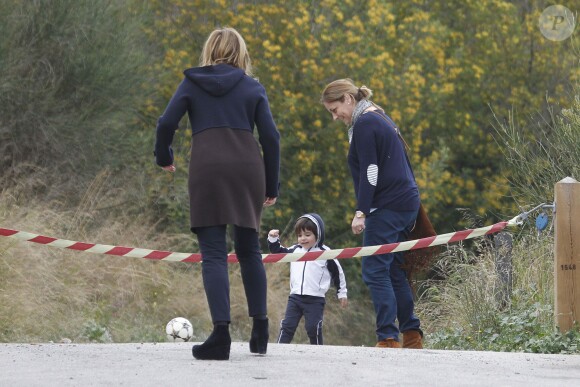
pixel 71 82
pixel 542 152
pixel 461 307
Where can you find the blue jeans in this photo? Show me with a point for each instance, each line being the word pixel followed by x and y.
pixel 214 269
pixel 387 282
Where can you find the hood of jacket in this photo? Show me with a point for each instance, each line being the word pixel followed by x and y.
pixel 216 80
pixel 320 228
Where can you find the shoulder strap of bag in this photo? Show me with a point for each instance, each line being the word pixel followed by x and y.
pixel 389 121
pixel 422 215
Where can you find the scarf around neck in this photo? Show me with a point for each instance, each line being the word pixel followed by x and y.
pixel 360 107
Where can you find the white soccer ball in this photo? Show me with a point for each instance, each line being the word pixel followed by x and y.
pixel 179 329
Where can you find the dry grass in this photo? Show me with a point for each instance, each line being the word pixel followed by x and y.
pixel 467 294
pixel 47 293
pixel 51 293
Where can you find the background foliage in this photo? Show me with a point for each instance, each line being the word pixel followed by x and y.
pixel 487 104
pixel 437 68
pixel 69 87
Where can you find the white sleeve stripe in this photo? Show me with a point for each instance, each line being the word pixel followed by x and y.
pixel 372 174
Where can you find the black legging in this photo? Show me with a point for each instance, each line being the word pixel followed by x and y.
pixel 212 244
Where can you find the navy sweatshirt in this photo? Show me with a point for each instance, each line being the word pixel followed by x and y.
pixel 221 96
pixel 379 166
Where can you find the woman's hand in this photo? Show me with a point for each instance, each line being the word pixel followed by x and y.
pixel 169 168
pixel 269 202
pixel 358 225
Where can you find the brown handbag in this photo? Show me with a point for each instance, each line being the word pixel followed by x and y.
pixel 423 227
pixel 420 260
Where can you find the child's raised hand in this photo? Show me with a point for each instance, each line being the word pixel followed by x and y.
pixel 274 233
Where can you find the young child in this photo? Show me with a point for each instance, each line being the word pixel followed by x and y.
pixel 309 281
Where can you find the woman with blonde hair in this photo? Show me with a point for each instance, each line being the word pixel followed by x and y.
pixel 387 206
pixel 231 177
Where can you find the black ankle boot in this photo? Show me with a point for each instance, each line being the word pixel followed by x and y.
pixel 260 336
pixel 216 347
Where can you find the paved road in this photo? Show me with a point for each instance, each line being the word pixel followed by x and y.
pixel 171 364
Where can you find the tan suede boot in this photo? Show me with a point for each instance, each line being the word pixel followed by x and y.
pixel 412 340
pixel 388 343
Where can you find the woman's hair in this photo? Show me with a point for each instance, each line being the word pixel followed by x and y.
pixel 226 45
pixel 336 91
pixel 305 224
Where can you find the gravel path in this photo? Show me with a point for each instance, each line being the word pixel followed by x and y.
pixel 171 364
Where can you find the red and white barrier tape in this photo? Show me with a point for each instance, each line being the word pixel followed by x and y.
pixel 267 258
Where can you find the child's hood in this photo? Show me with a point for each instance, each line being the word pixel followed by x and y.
pixel 319 227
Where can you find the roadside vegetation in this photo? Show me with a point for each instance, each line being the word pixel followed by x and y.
pixel 490 109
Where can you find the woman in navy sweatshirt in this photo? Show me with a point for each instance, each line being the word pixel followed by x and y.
pixel 231 177
pixel 387 205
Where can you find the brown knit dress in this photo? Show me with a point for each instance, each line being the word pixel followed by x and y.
pixel 227 182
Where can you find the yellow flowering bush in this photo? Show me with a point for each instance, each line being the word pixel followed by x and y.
pixel 438 71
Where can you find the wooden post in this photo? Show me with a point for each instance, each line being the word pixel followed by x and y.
pixel 567 254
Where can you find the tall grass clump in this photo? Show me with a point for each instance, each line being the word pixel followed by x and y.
pixel 465 310
pixel 541 153
pixel 463 303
